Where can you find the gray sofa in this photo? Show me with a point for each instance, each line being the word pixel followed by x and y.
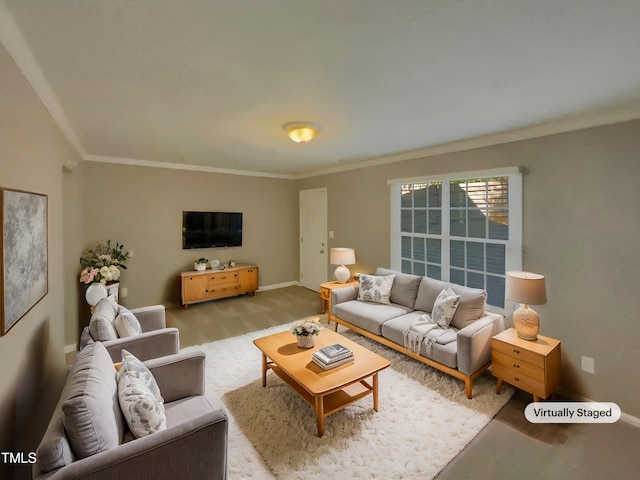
pixel 463 352
pixel 156 340
pixel 194 444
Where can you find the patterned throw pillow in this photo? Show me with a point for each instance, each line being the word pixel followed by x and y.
pixel 141 409
pixel 444 307
pixel 126 323
pixel 376 288
pixel 133 367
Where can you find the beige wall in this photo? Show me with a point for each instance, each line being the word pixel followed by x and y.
pixel 581 228
pixel 32 151
pixel 142 208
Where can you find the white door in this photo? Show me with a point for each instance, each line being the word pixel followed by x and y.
pixel 313 238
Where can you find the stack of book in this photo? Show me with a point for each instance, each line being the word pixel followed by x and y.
pixel 332 356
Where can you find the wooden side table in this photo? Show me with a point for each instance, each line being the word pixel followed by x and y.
pixel 532 365
pixel 325 293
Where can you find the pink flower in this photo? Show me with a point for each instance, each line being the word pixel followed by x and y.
pixel 88 274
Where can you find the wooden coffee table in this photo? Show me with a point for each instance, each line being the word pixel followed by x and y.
pixel 328 391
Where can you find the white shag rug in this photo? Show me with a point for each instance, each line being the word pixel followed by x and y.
pixel 424 418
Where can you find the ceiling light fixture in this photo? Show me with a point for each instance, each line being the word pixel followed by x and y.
pixel 301 132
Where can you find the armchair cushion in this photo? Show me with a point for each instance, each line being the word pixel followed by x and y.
pixel 101 325
pixel 91 421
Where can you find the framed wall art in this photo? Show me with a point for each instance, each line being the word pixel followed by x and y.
pixel 24 260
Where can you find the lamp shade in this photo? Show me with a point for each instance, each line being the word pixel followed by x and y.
pixel 342 256
pixel 526 288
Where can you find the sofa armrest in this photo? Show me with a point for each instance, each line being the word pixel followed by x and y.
pixel 145 346
pixel 344 294
pixel 151 318
pixel 179 376
pixel 193 449
pixel 474 342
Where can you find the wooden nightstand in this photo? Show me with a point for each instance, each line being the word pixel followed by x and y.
pixel 532 365
pixel 325 293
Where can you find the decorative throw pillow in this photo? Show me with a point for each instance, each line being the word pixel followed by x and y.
pixel 126 323
pixel 376 288
pixel 132 367
pixel 141 409
pixel 444 307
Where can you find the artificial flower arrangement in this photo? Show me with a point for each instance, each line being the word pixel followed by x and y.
pixel 103 262
pixel 304 328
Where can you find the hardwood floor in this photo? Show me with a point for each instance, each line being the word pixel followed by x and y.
pixel 509 447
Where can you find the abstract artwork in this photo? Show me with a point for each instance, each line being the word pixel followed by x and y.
pixel 24 260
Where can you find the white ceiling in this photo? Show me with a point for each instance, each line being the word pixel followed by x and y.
pixel 207 84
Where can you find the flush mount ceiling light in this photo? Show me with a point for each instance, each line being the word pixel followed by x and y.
pixel 301 132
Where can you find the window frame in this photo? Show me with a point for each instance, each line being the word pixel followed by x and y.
pixel 513 246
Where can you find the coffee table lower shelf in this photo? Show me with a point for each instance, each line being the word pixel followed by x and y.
pixel 332 401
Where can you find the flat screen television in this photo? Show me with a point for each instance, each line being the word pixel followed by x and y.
pixel 211 229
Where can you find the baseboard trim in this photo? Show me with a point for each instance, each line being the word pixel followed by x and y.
pixel 625 417
pixel 263 288
pixel 69 348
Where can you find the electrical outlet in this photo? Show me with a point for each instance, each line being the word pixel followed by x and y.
pixel 588 364
pixel 331 234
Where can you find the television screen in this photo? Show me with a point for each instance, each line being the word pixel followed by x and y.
pixel 211 229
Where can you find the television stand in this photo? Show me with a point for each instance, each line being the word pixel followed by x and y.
pixel 205 285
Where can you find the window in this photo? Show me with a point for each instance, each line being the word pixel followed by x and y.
pixel 465 229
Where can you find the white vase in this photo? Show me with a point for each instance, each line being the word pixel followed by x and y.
pixel 307 341
pixel 199 266
pixel 95 292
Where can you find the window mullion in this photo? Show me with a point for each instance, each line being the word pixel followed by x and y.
pixel 446 222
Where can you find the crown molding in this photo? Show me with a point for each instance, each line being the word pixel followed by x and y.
pixel 16 45
pixel 567 124
pixel 181 166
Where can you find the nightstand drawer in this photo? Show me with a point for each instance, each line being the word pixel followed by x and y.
pixel 517 352
pixel 519 380
pixel 517 366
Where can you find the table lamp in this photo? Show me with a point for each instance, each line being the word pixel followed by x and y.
pixel 528 289
pixel 342 257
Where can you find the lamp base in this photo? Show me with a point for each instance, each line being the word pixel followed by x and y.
pixel 342 274
pixel 527 323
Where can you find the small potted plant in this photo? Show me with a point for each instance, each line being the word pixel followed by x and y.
pixel 305 332
pixel 200 264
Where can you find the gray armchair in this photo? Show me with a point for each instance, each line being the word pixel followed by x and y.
pixel 156 340
pixel 193 446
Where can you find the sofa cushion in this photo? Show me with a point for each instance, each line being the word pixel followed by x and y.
pixel 394 329
pixel 101 325
pixel 366 315
pixel 470 308
pixel 126 323
pixel 445 307
pixel 405 287
pixel 91 415
pixel 375 288
pixel 444 351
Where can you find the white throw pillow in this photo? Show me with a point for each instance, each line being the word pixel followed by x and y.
pixel 141 409
pixel 126 323
pixel 375 288
pixel 132 367
pixel 445 307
